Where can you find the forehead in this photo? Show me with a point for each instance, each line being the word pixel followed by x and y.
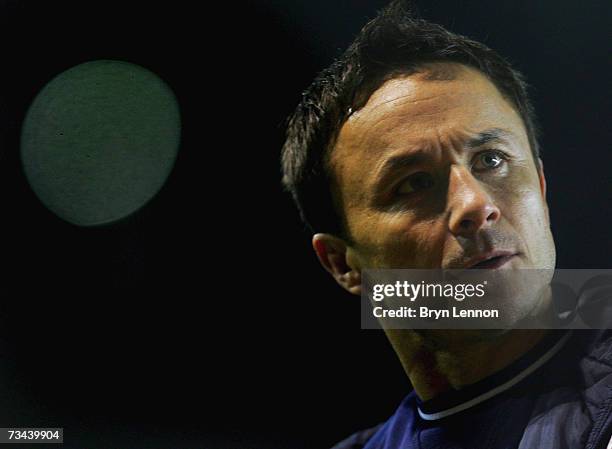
pixel 423 110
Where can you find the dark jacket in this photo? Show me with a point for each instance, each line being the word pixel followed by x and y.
pixel 566 403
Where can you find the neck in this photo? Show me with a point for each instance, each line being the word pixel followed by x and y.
pixel 439 361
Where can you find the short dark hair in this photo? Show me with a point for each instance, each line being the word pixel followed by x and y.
pixel 392 44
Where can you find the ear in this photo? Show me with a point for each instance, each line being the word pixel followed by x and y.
pixel 543 187
pixel 333 253
pixel 542 179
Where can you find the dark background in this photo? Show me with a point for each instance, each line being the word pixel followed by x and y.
pixel 204 320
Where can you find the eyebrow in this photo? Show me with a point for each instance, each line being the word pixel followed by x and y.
pixel 400 162
pixel 488 136
pixel 404 161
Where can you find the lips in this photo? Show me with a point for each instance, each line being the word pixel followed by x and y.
pixel 490 260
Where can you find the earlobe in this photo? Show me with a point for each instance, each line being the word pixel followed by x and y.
pixel 333 254
pixel 542 178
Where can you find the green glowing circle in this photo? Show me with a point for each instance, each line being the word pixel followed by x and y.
pixel 99 141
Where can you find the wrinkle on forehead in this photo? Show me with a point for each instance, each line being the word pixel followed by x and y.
pixel 407 104
pixel 433 71
pixel 391 95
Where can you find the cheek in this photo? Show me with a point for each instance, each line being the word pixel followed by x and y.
pixel 398 241
pixel 427 238
pixel 519 195
pixel 534 217
pixel 527 214
pixel 525 203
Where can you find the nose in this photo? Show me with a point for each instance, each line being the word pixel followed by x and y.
pixel 471 207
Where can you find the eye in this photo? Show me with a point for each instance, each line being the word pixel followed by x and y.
pixel 489 160
pixel 415 183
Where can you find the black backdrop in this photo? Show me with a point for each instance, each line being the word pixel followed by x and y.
pixel 204 320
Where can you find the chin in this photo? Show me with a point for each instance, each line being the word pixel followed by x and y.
pixel 448 338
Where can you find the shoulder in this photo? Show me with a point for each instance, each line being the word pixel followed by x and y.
pixel 358 439
pixel 596 367
pixel 594 352
pixel 578 391
pixel 377 435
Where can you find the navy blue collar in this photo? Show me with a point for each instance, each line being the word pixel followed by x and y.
pixel 452 402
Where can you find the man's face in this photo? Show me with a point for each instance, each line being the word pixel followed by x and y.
pixel 437 173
